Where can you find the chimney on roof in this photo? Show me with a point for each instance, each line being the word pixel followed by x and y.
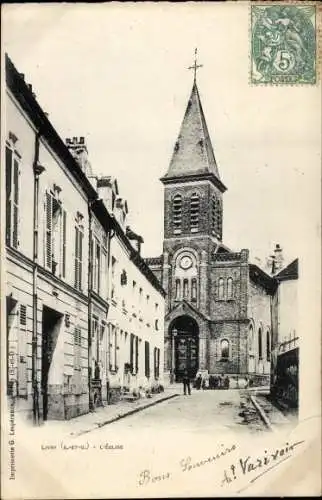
pixel 276 260
pixel 136 237
pixel 78 149
pixel 279 258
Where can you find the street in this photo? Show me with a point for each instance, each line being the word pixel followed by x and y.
pixel 202 412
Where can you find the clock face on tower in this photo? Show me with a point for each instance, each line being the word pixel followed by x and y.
pixel 186 262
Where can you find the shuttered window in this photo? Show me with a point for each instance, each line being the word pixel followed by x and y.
pixel 77 347
pixel 136 354
pixel 63 250
pixel 156 356
pixel 22 352
pixel 12 198
pixel 49 230
pixel 147 358
pixel 78 262
pixel 132 351
pixel 77 360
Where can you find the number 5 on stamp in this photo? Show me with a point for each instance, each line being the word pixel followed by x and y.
pixel 283 44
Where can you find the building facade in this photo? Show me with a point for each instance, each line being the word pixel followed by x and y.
pixel 218 305
pixel 286 339
pixel 62 351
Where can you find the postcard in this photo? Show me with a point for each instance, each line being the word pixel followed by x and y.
pixel 161 236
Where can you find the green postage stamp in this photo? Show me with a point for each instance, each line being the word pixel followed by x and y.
pixel 283 44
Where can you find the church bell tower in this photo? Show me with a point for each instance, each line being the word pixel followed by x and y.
pixel 193 220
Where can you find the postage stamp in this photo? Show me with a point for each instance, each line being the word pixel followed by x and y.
pixel 283 44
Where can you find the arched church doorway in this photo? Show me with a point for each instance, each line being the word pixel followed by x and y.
pixel 184 332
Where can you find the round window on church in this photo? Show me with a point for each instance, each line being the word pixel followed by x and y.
pixel 186 262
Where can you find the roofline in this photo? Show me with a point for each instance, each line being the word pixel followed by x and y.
pixel 137 259
pixel 266 280
pixel 293 276
pixel 27 101
pixel 24 96
pixel 195 177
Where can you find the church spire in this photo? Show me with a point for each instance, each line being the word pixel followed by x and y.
pixel 193 154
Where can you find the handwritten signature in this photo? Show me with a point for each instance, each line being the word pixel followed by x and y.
pixel 261 464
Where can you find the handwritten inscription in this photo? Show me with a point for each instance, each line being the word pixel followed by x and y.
pixel 261 464
pixel 186 464
pixel 147 477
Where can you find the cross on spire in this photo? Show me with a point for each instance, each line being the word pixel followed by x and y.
pixel 195 66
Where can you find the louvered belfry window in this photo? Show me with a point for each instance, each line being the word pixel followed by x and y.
pixel 213 215
pixel 194 212
pixel 177 213
pixel 12 197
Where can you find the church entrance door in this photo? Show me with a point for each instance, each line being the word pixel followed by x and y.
pixel 185 341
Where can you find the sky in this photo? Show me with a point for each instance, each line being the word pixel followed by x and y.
pixel 117 74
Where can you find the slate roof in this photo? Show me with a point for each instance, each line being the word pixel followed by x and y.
pixel 289 272
pixel 193 153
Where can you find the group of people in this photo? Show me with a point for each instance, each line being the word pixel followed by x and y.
pixel 205 381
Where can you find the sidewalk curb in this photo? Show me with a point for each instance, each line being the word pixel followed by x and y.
pixel 262 413
pixel 123 415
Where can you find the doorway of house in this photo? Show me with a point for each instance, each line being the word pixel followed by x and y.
pixel 185 346
pixel 51 321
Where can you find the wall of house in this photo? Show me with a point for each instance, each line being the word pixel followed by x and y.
pixel 287 310
pixel 259 314
pixel 54 291
pixel 137 308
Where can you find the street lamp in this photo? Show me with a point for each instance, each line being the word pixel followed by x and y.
pixel 174 334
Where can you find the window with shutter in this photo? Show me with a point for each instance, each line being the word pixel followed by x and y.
pixel 78 261
pixel 136 354
pixel 147 358
pixel 12 197
pixel 63 250
pixel 15 202
pixel 8 194
pixel 77 359
pixel 22 353
pixel 155 362
pixel 49 227
pixel 116 351
pixel 132 351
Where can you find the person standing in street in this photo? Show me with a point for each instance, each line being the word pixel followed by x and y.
pixel 186 383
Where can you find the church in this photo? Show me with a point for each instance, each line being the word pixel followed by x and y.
pixel 218 304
